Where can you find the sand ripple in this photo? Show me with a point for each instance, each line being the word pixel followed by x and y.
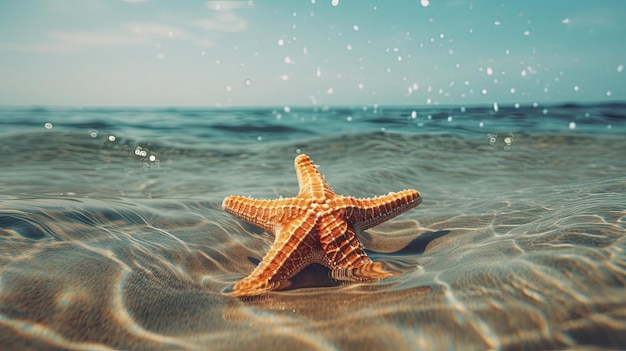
pixel 496 272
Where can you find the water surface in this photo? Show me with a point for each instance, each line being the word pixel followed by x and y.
pixel 112 234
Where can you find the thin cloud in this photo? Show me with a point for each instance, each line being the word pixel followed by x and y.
pixel 154 30
pixel 223 16
pixel 601 18
pixel 226 22
pixel 82 39
pixel 228 5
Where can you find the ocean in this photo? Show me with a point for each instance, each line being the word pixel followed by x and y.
pixel 112 234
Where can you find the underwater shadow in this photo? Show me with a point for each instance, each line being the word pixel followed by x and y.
pixel 418 245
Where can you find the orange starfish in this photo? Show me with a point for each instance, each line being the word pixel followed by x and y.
pixel 317 226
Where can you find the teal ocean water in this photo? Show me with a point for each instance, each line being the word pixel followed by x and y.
pixel 112 234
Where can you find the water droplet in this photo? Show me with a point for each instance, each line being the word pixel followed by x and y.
pixel 620 68
pixel 259 138
pixel 93 133
pixel 281 42
pixel 572 125
pixel 425 3
pixel 495 107
pixel 335 2
pixel 287 109
pixel 152 158
pixel 48 125
pixel 349 118
pixel 247 82
pixel 414 114
pixel 111 137
pixel 287 59
pixel 355 27
pixel 576 88
pixel 489 71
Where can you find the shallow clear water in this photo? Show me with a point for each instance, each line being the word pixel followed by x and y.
pixel 112 233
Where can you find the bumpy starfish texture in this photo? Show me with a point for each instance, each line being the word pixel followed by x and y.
pixel 317 226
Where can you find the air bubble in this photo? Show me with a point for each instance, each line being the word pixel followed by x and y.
pixel 572 125
pixel 335 2
pixel 48 125
pixel 247 82
pixel 111 137
pixel 93 133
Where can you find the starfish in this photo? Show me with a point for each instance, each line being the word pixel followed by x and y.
pixel 317 226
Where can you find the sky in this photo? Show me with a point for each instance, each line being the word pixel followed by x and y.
pixel 193 53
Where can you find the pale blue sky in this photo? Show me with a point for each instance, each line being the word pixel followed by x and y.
pixel 310 52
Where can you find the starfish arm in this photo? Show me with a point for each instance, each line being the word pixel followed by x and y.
pixel 311 181
pixel 340 243
pixel 347 259
pixel 266 214
pixel 367 213
pixel 291 251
